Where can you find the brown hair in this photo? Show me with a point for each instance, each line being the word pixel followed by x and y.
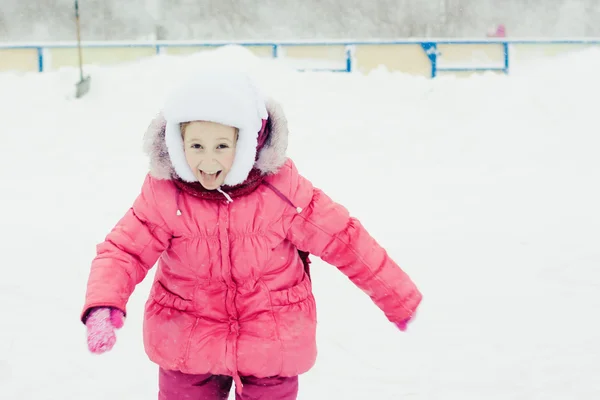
pixel 184 125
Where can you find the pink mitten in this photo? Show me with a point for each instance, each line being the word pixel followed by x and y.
pixel 403 325
pixel 101 324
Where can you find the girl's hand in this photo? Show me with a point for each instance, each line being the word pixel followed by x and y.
pixel 101 325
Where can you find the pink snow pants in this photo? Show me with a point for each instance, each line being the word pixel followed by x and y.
pixel 175 385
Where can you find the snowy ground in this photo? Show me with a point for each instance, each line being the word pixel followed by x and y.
pixel 484 189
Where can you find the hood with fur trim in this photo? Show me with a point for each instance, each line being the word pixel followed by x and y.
pixel 270 158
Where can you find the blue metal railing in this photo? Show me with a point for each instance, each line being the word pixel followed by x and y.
pixel 430 47
pixel 433 53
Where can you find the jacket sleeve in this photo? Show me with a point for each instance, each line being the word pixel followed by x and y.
pixel 127 254
pixel 325 229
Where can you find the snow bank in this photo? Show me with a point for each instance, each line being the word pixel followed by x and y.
pixel 483 189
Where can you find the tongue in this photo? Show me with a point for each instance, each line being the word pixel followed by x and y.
pixel 210 179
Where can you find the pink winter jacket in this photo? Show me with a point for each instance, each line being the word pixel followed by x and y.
pixel 230 295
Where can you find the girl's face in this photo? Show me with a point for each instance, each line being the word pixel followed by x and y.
pixel 209 151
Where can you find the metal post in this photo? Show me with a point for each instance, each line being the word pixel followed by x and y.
pixel 505 57
pixel 432 53
pixel 83 86
pixel 78 39
pixel 40 52
pixel 349 58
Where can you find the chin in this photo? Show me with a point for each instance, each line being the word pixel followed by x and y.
pixel 213 187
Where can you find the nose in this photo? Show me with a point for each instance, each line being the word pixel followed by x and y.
pixel 209 161
pixel 209 157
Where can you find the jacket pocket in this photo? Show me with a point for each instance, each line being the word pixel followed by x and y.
pixel 294 295
pixel 166 298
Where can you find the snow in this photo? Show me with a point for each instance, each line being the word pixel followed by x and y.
pixel 484 189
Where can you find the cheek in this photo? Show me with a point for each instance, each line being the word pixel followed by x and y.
pixel 228 160
pixel 191 159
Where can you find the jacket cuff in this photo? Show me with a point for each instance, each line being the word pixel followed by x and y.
pixel 90 307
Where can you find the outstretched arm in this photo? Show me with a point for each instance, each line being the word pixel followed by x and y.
pixel 326 229
pixel 127 254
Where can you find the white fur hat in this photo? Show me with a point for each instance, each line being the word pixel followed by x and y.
pixel 224 96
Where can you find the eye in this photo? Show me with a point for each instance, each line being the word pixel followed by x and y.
pixel 222 146
pixel 196 146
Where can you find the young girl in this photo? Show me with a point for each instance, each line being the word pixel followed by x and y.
pixel 231 221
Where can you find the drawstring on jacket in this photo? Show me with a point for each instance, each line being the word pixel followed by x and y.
pixel 282 196
pixel 229 199
pixel 177 200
